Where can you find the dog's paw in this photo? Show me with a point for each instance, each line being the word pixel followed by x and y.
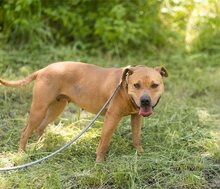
pixel 139 149
pixel 21 151
pixel 100 159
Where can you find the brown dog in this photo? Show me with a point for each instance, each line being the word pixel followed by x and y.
pixel 89 86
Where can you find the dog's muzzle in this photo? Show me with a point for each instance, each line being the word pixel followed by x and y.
pixel 145 106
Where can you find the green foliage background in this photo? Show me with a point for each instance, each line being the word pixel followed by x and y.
pixel 116 26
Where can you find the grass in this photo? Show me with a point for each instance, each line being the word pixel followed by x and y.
pixel 181 139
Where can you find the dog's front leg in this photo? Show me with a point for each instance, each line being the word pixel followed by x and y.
pixel 136 121
pixel 110 123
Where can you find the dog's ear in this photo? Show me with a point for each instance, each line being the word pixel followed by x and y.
pixel 126 71
pixel 163 72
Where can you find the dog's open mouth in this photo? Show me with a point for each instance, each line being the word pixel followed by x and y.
pixel 145 111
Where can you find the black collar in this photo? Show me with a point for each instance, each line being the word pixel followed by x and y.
pixel 156 102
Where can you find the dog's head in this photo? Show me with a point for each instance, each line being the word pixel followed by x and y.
pixel 145 86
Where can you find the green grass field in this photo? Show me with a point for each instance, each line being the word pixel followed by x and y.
pixel 181 139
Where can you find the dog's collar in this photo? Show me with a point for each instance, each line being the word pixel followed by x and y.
pixel 157 102
pixel 134 103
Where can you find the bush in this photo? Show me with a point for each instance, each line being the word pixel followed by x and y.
pixel 109 25
pixel 206 27
pixel 115 26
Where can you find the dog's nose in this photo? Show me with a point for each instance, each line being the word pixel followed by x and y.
pixel 145 100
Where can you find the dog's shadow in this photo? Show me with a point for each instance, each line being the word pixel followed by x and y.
pixel 69 125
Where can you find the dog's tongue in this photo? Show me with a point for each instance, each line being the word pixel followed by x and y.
pixel 145 111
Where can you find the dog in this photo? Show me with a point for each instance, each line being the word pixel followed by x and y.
pixel 89 86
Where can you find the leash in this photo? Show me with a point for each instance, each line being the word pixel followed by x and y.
pixel 71 141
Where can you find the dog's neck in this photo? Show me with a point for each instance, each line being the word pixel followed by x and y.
pixel 133 105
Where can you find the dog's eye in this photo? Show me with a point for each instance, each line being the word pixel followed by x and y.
pixel 137 85
pixel 154 85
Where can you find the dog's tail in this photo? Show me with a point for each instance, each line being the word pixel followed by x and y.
pixel 19 83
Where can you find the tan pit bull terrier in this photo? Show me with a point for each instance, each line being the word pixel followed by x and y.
pixel 89 86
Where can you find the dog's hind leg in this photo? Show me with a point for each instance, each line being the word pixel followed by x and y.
pixel 54 110
pixel 36 116
pixel 40 104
